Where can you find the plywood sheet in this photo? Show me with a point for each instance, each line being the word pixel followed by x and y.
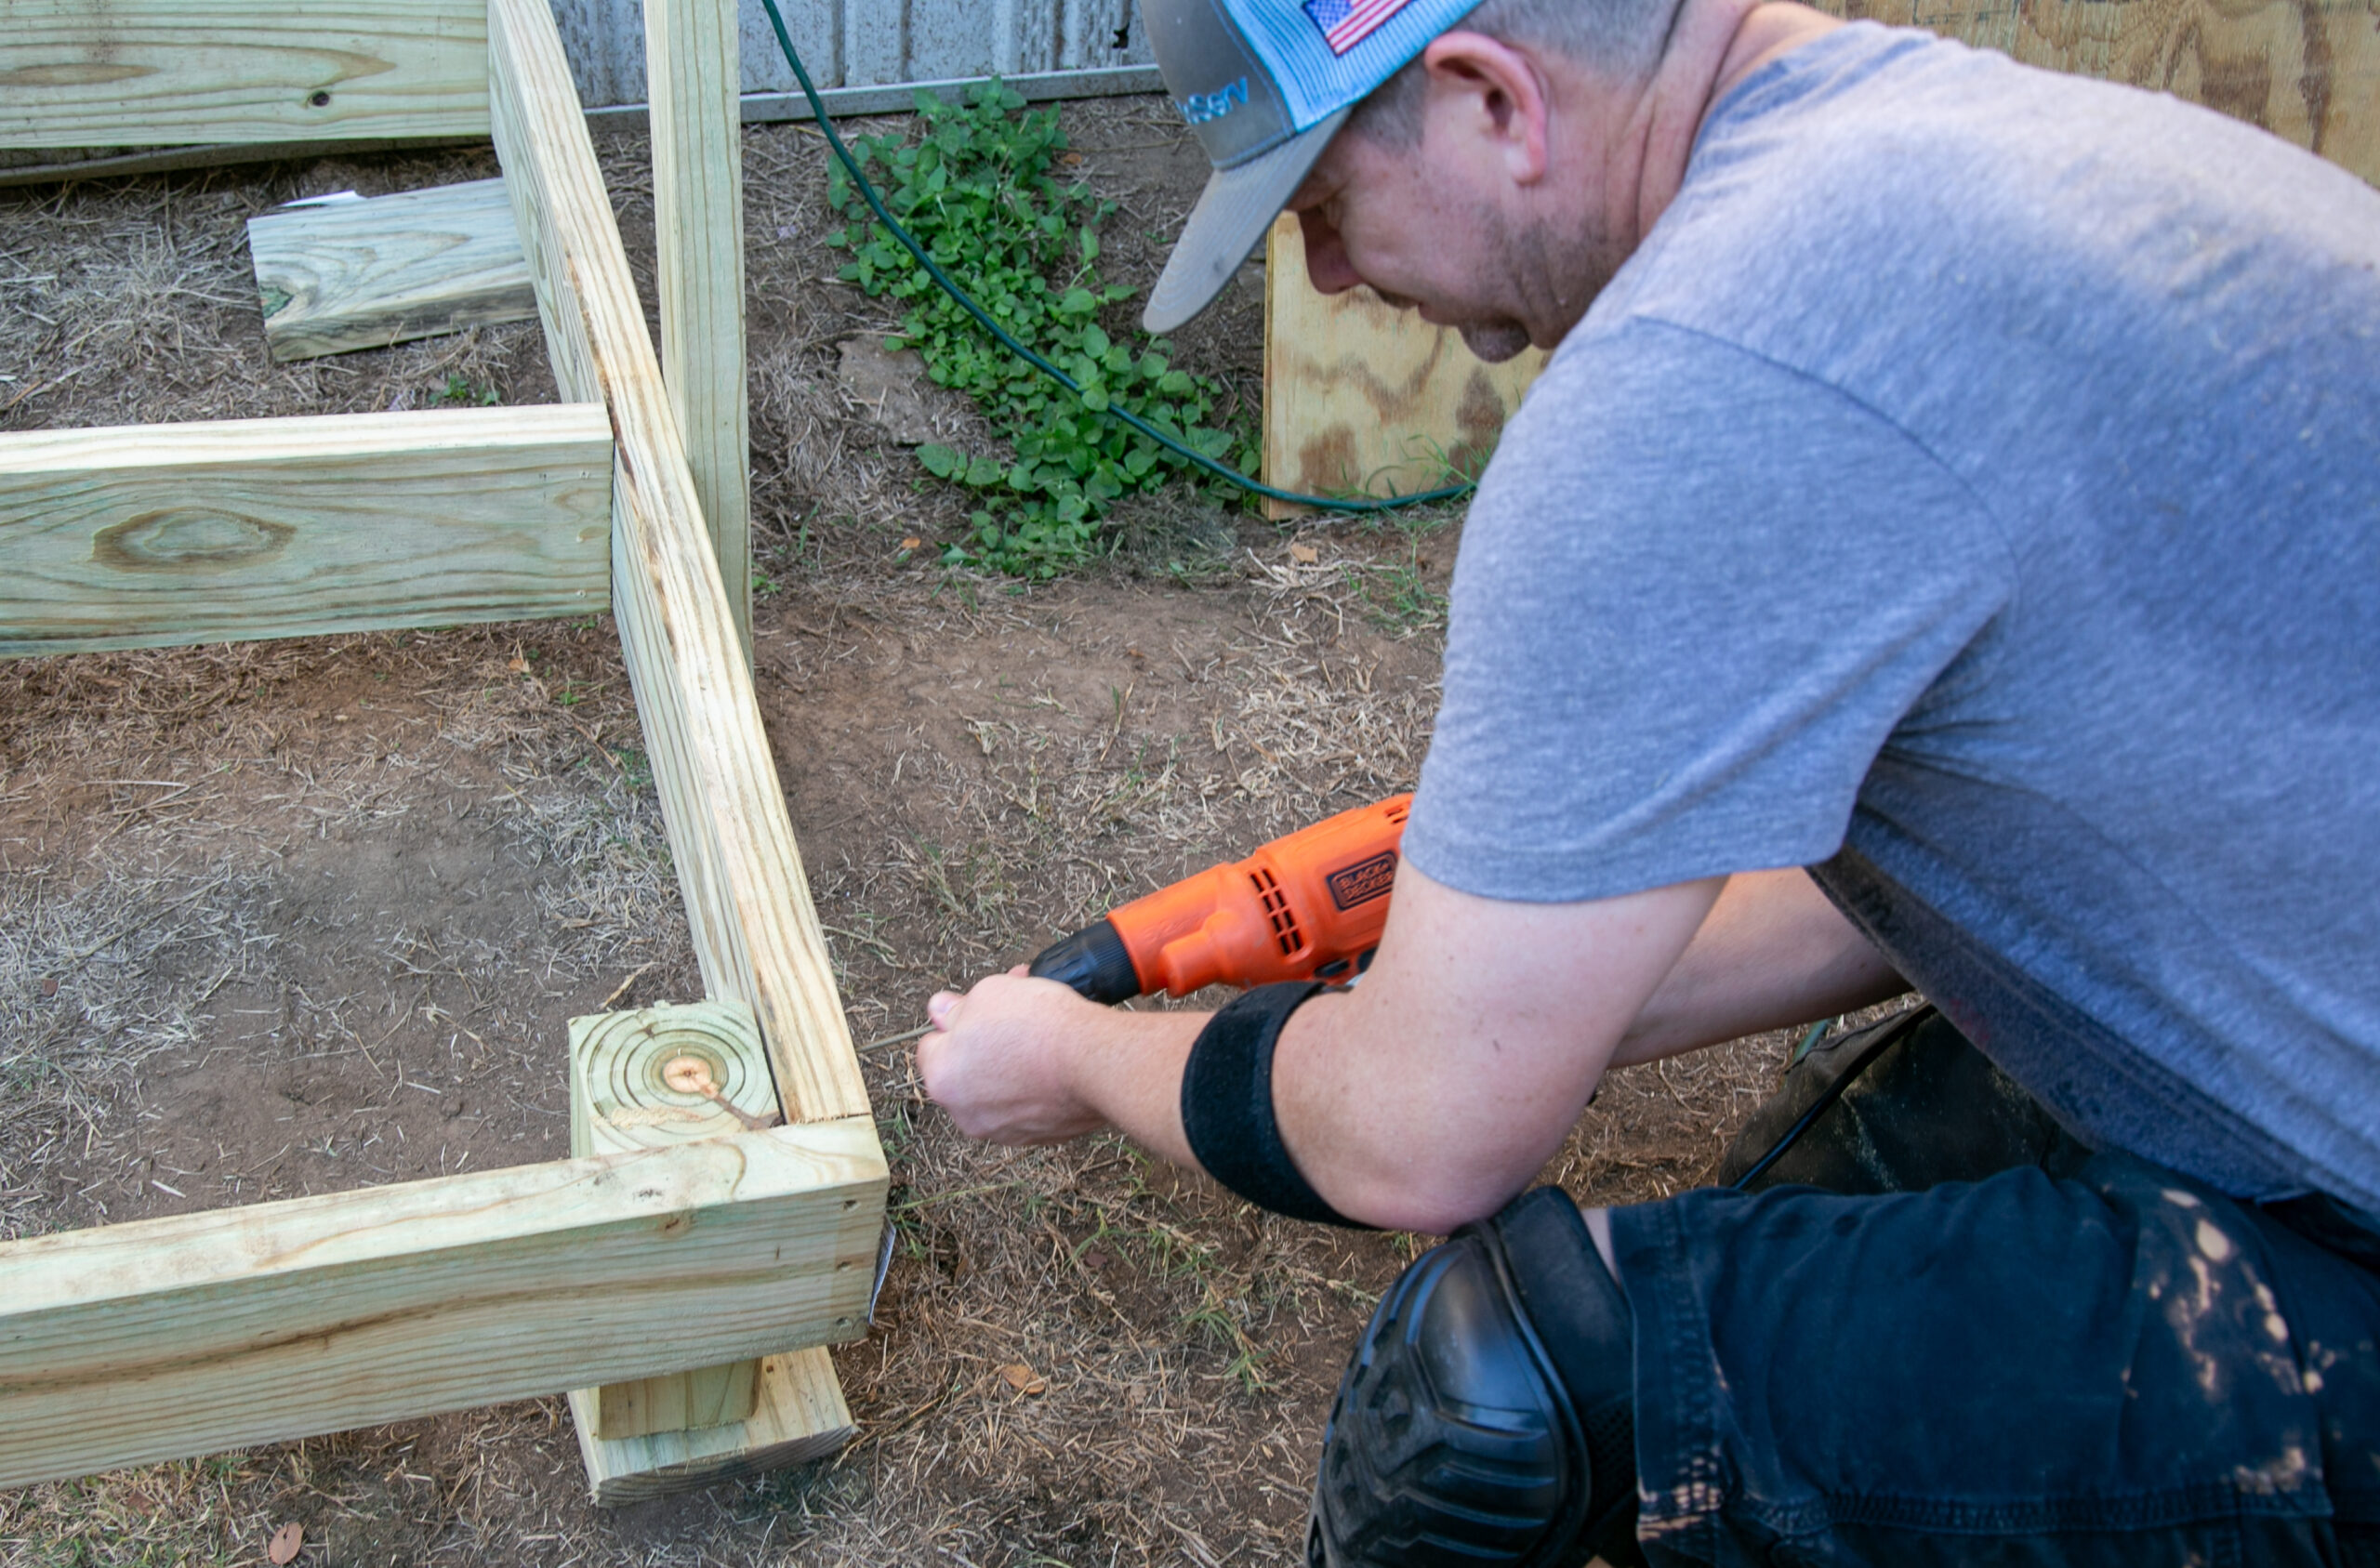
pixel 2307 70
pixel 1364 398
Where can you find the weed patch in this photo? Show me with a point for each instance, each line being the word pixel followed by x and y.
pixel 977 190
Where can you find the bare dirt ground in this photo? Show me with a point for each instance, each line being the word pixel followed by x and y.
pixel 299 916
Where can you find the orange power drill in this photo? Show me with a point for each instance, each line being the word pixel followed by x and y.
pixel 1308 906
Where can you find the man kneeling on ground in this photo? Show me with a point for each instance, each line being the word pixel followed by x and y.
pixel 1942 553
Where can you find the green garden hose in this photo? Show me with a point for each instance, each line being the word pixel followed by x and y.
pixel 1001 336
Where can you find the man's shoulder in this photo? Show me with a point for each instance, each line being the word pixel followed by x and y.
pixel 1895 172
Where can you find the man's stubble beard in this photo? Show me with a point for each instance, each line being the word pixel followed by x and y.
pixel 1559 276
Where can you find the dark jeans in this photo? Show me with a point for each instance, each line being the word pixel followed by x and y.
pixel 1992 1345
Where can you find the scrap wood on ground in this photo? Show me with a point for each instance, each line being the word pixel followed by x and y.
pixel 304 916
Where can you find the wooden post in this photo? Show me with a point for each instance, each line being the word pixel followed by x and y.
pixel 645 1080
pixel 756 931
pixel 659 1077
pixel 690 71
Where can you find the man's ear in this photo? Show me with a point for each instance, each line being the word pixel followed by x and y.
pixel 1483 87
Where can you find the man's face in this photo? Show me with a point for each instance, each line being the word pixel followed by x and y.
pixel 1373 214
pixel 1502 219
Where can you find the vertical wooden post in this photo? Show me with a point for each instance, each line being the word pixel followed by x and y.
pixel 647 1079
pixel 692 68
pixel 640 1080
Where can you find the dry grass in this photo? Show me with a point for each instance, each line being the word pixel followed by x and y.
pixel 317 912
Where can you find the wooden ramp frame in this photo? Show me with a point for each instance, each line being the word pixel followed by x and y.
pixel 733 1258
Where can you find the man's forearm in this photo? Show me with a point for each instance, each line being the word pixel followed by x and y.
pixel 1130 1069
pixel 1773 952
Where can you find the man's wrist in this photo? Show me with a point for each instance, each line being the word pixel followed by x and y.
pixel 1126 1067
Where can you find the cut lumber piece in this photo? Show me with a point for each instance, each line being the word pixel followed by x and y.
pixel 2307 70
pixel 642 1080
pixel 691 66
pixel 1362 398
pixel 756 932
pixel 672 1402
pixel 799 1416
pixel 168 1337
pixel 345 275
pixel 167 73
pixel 148 535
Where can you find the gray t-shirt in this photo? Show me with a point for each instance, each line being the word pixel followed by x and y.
pixel 1971 491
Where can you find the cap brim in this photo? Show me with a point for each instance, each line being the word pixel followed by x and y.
pixel 1238 205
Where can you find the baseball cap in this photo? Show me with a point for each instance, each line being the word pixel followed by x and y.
pixel 1266 84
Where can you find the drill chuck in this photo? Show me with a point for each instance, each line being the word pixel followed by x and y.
pixel 1094 962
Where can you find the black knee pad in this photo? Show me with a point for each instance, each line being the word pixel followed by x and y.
pixel 1487 1416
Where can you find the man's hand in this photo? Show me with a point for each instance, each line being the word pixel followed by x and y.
pixel 1025 1060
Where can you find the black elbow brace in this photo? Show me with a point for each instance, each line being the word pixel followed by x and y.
pixel 1227 1103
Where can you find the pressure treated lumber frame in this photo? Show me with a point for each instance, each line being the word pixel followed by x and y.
pixel 137 1342
pixel 164 1337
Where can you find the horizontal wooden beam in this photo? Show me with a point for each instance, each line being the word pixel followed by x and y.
pixel 148 535
pixel 92 163
pixel 336 276
pixel 164 72
pixel 756 931
pixel 167 1337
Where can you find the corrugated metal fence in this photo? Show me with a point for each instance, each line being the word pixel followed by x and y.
pixel 858 44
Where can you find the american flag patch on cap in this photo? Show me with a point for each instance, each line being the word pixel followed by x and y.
pixel 1346 23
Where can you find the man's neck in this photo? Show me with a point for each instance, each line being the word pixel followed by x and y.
pixel 1716 44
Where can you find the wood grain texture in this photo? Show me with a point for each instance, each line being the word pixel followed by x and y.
pixel 167 1337
pixel 623 1094
pixel 364 274
pixel 643 1080
pixel 756 932
pixel 1360 396
pixel 2307 70
pixel 150 536
pixel 691 65
pixel 798 1416
pixel 676 1402
pixel 165 72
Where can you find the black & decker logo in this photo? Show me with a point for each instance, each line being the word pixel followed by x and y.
pixel 1363 881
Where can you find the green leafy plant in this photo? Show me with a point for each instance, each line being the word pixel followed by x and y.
pixel 974 187
pixel 461 391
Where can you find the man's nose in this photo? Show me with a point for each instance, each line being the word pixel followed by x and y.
pixel 1326 257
